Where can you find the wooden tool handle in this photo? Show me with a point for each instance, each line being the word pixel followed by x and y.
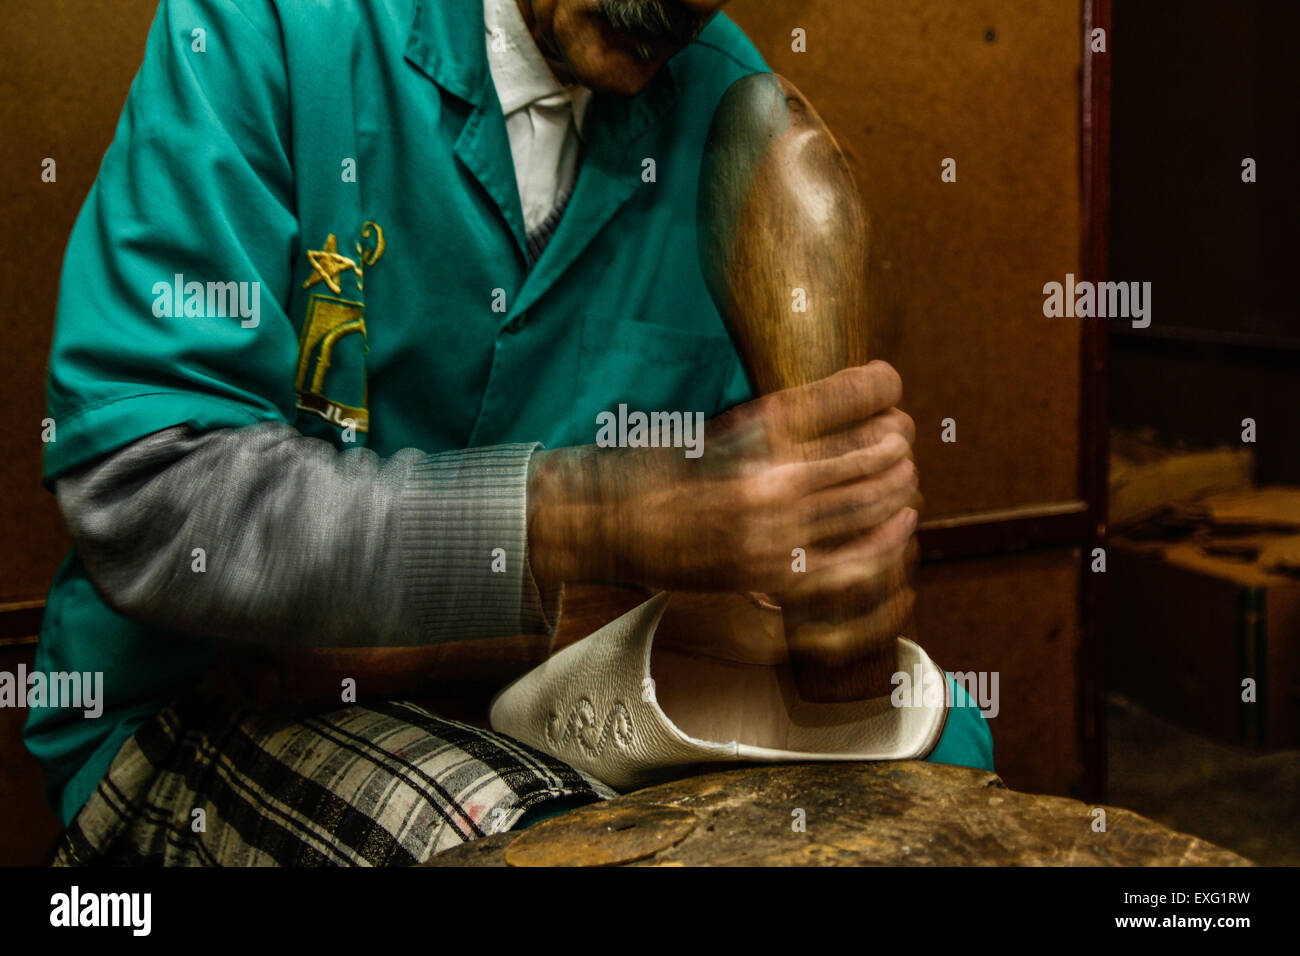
pixel 783 245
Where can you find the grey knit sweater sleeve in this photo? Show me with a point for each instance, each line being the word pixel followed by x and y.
pixel 265 535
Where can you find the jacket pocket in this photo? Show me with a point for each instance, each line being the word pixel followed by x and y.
pixel 651 368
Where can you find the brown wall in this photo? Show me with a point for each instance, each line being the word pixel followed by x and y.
pixel 28 827
pixel 905 84
pixel 65 66
pixel 1016 615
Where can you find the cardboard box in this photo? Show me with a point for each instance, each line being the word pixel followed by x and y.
pixel 1147 476
pixel 1189 620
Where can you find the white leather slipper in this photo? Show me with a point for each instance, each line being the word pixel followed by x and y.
pixel 652 693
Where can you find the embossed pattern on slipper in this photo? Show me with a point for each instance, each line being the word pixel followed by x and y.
pixel 647 695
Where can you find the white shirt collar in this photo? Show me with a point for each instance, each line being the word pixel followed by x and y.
pixel 519 72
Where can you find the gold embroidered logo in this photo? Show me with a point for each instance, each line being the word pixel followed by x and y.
pixel 330 319
pixel 327 264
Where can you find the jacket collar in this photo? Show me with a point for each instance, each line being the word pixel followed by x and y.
pixel 447 45
pixel 519 73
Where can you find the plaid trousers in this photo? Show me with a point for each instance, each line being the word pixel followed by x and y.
pixel 380 784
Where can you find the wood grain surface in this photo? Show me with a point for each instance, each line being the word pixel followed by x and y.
pixel 872 814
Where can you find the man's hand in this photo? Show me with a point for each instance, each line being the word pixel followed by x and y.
pixel 826 467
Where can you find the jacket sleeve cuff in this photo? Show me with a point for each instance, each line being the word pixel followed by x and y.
pixel 465 547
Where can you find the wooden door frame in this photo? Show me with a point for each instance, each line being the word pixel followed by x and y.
pixel 1094 428
pixel 1080 523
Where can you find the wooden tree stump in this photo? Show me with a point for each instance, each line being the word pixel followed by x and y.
pixel 874 814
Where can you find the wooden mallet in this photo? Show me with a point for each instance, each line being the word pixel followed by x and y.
pixel 783 241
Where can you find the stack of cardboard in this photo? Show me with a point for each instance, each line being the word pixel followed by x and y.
pixel 1147 476
pixel 1204 614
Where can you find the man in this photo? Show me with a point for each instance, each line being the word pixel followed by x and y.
pixel 335 325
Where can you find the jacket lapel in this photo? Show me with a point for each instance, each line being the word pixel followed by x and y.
pixel 616 129
pixel 447 44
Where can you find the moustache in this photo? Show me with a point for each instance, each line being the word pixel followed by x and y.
pixel 652 21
